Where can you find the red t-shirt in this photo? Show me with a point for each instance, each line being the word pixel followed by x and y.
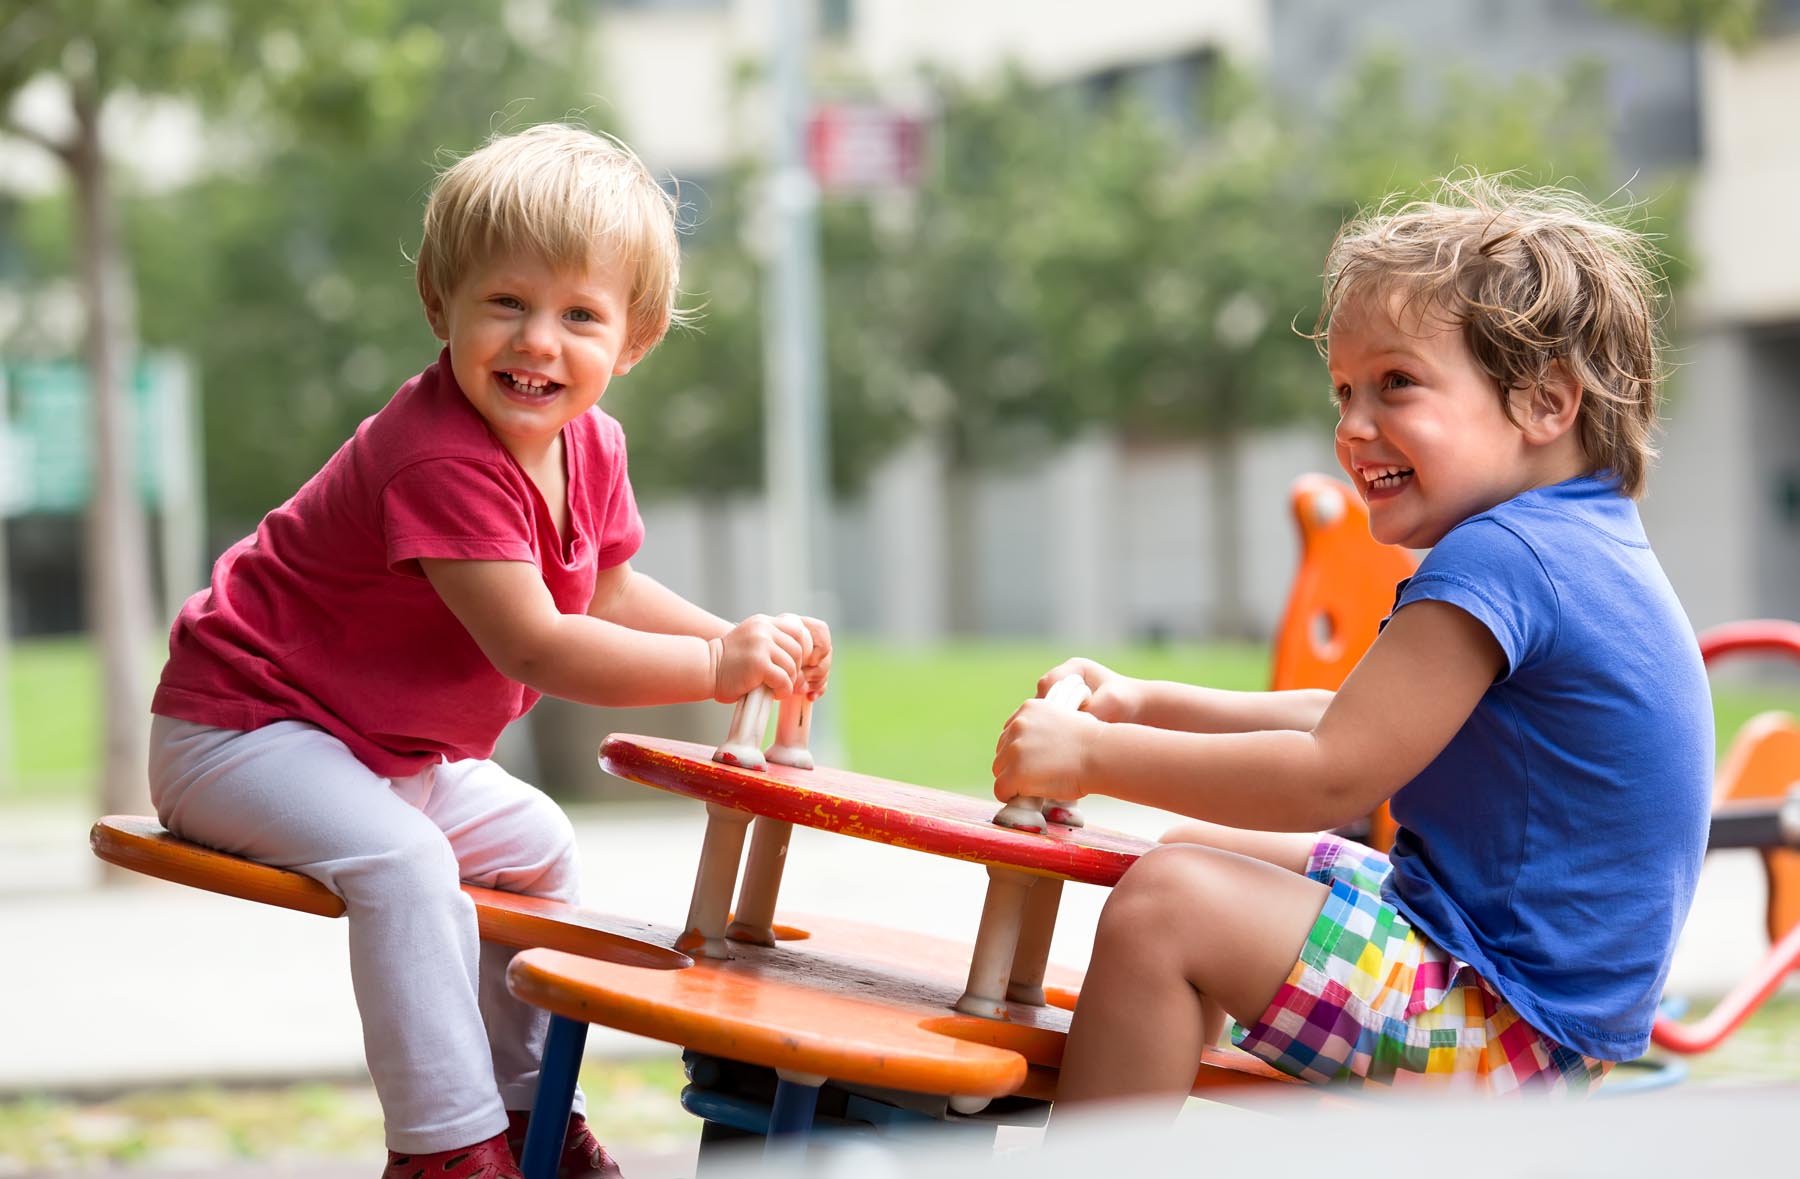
pixel 325 616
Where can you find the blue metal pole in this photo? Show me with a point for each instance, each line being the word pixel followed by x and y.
pixel 791 1115
pixel 549 1123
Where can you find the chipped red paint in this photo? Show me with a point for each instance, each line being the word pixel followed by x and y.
pixel 876 809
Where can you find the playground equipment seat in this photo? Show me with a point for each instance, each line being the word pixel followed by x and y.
pixel 512 919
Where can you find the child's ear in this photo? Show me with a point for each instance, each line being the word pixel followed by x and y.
pixel 1552 406
pixel 628 359
pixel 434 315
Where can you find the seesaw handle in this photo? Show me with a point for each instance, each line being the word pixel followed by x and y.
pixel 1028 812
pixel 793 731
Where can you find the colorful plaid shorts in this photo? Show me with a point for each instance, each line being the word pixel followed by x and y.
pixel 1372 1001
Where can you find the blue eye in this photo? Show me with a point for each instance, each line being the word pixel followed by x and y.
pixel 508 301
pixel 582 315
pixel 1398 381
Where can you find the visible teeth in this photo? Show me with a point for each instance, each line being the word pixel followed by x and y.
pixel 1386 476
pixel 533 384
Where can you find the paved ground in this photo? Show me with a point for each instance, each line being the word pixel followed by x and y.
pixel 147 984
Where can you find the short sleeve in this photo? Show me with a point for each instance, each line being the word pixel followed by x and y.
pixel 618 528
pixel 1491 573
pixel 455 508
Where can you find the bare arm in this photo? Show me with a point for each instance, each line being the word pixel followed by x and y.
pixel 1165 704
pixel 624 596
pixel 510 614
pixel 629 598
pixel 1195 709
pixel 1397 710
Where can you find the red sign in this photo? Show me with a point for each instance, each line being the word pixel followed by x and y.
pixel 863 147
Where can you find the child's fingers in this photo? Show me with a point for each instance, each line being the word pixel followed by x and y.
pixel 1091 674
pixel 794 626
pixel 793 651
pixel 781 671
pixel 821 639
pixel 816 677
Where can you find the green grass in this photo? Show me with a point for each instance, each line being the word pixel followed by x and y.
pixel 920 714
pixel 634 1100
pixel 931 715
pixel 54 687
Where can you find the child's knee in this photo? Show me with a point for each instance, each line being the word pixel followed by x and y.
pixel 418 867
pixel 559 875
pixel 543 858
pixel 1165 891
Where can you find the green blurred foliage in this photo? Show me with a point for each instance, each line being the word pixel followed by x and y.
pixel 1072 259
pixel 1735 22
pixel 290 278
pixel 284 271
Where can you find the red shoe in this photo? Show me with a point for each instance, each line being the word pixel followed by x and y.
pixel 582 1154
pixel 491 1159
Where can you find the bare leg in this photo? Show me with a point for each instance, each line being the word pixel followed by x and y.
pixel 1284 849
pixel 1187 929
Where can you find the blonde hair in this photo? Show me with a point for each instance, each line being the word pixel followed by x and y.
pixel 567 196
pixel 1533 277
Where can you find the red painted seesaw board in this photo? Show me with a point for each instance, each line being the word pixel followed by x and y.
pixel 877 809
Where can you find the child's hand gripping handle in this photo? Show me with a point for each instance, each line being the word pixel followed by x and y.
pixel 1031 813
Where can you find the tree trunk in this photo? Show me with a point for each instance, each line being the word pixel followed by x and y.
pixel 1230 618
pixel 118 591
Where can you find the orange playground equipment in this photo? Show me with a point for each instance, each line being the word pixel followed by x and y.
pixel 878 1020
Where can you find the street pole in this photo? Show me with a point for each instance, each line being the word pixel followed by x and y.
pixel 13 492
pixel 794 435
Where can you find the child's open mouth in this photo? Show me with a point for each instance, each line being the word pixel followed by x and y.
pixel 529 386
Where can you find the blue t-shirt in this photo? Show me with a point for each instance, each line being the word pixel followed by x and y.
pixel 1554 844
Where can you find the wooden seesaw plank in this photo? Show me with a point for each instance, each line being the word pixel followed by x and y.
pixel 512 919
pixel 878 809
pixel 857 1003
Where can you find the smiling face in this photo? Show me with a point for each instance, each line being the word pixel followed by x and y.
pixel 534 346
pixel 1421 429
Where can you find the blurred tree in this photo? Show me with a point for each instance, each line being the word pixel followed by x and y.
pixel 287 274
pixel 1735 22
pixel 1079 262
pixel 1176 321
pixel 1073 261
pixel 346 75
pixel 962 297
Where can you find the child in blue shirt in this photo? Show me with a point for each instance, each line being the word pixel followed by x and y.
pixel 1534 708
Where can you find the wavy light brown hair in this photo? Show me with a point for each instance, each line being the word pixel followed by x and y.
pixel 568 196
pixel 1534 277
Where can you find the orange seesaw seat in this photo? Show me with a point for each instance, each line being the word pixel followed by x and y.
pixel 858 1004
pixel 510 919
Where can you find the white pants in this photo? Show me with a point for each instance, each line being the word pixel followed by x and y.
pixel 449 1049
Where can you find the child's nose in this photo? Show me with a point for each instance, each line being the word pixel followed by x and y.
pixel 536 336
pixel 1354 423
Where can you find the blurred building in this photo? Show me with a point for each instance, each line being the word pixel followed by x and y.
pixel 1724 508
pixel 1107 540
pixel 1726 503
